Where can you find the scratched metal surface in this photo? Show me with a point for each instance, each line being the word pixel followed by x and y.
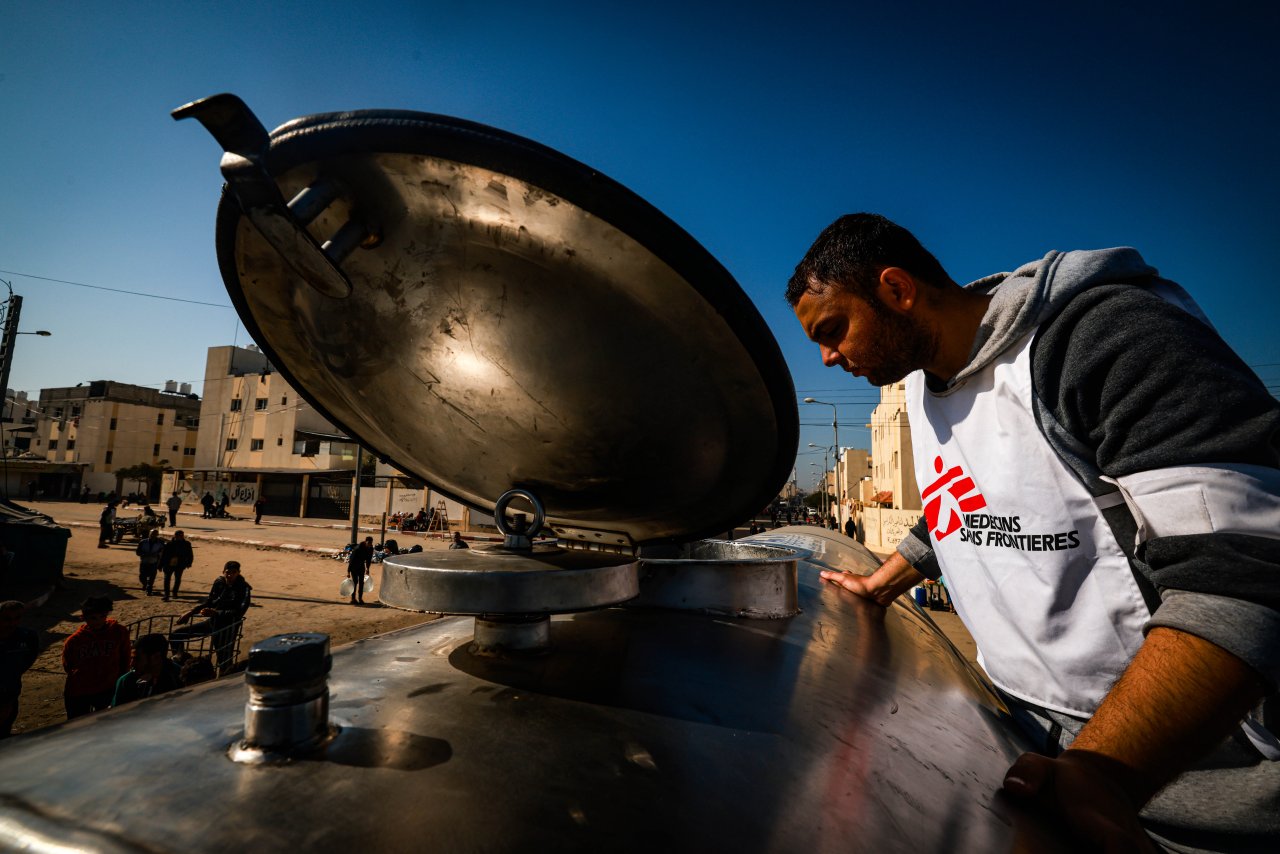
pixel 528 316
pixel 844 728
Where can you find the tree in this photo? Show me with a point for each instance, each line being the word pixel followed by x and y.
pixel 143 474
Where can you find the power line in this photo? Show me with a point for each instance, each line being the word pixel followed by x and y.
pixel 114 290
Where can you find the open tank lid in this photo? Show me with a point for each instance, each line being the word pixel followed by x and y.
pixel 486 313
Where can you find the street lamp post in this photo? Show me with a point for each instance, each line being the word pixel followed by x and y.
pixel 835 429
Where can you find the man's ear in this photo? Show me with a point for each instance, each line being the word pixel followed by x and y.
pixel 897 290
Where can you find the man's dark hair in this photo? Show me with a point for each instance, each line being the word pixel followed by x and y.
pixel 232 564
pixel 851 253
pixel 151 644
pixel 12 605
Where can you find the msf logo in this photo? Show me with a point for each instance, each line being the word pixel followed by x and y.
pixel 952 494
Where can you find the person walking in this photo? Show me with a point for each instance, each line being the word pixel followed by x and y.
pixel 206 501
pixel 174 559
pixel 259 506
pixel 357 565
pixel 106 524
pixel 19 647
pixel 174 503
pixel 94 657
pixel 148 552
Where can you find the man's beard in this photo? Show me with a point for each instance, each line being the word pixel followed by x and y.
pixel 900 345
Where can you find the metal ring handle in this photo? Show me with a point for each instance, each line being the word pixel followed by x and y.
pixel 500 513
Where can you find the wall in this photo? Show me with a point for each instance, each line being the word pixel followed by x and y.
pixel 883 529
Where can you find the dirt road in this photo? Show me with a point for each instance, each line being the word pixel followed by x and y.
pixel 292 591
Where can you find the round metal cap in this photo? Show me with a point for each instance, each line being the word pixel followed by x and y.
pixel 514 320
pixel 494 581
pixel 288 660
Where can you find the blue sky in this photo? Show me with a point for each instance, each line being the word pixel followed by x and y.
pixel 995 131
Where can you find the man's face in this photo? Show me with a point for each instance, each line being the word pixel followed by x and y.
pixel 231 573
pixel 95 620
pixel 864 338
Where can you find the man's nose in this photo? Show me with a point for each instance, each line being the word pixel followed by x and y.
pixel 830 356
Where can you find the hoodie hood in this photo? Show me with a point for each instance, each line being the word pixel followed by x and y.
pixel 1031 294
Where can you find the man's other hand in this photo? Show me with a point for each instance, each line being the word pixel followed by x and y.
pixel 891 579
pixel 1082 790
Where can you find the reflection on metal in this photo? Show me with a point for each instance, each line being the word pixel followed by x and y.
pixel 493 580
pixel 499 636
pixel 844 727
pixel 735 578
pixel 536 320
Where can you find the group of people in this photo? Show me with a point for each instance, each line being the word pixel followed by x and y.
pixel 105 669
pixel 215 509
pixel 171 557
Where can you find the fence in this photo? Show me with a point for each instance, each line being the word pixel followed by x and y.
pixel 221 646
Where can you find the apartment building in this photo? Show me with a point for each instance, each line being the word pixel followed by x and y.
pixel 109 425
pixel 856 471
pixel 893 475
pixel 258 437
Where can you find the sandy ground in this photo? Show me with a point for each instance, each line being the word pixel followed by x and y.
pixel 292 591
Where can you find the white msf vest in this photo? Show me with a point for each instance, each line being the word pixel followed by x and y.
pixel 1032 566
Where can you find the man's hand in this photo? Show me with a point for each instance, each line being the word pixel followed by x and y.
pixel 890 580
pixel 1081 788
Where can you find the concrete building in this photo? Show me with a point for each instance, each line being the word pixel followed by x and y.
pixel 855 469
pixel 109 426
pixel 893 476
pixel 258 437
pixel 18 420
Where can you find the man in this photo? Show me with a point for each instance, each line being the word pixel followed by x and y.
pixel 206 501
pixel 94 658
pixel 175 558
pixel 1076 427
pixel 850 528
pixel 458 542
pixel 106 524
pixel 152 673
pixel 226 605
pixel 174 503
pixel 258 506
pixel 149 552
pixel 357 566
pixel 19 647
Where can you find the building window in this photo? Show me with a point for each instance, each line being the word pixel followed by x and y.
pixel 155 450
pixel 284 399
pixel 107 459
pixel 235 404
pixel 260 404
pixel 113 424
pixel 160 418
pixel 193 423
pixel 175 447
pixel 75 411
pixel 279 441
pixel 53 444
pixel 57 413
pixel 231 444
pixel 71 444
pixel 188 452
pixel 255 444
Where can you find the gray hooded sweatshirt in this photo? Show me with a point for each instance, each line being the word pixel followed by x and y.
pixel 1130 384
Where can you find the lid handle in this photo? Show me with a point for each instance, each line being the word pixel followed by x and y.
pixel 519 532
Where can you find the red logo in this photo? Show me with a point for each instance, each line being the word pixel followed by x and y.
pixel 961 496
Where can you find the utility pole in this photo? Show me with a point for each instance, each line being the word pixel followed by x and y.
pixel 10 333
pixel 355 500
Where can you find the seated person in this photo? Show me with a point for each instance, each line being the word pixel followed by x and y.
pixel 147 511
pixel 226 604
pixel 152 673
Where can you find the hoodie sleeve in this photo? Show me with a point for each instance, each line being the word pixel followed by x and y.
pixel 917 549
pixel 1191 436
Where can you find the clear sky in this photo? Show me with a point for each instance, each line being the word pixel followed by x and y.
pixel 995 131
